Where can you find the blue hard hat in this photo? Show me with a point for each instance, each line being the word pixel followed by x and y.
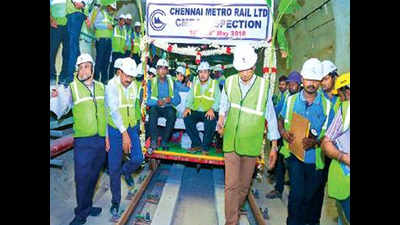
pixel 294 76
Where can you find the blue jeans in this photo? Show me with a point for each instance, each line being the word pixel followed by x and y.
pixel 115 165
pixel 74 26
pixel 209 129
pixel 345 208
pixel 57 36
pixel 89 158
pixel 304 183
pixel 115 56
pixel 103 53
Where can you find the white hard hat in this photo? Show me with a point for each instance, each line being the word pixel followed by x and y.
pixel 203 66
pixel 327 67
pixel 162 62
pixel 218 67
pixel 113 5
pixel 84 57
pixel 128 16
pixel 244 57
pixel 122 16
pixel 139 69
pixel 180 70
pixel 312 69
pixel 129 67
pixel 118 63
pixel 137 24
pixel 153 70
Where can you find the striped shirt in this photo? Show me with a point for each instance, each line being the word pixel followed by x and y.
pixel 336 127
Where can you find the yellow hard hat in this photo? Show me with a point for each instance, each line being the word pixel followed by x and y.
pixel 342 80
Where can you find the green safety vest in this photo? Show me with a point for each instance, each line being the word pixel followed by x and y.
pixel 108 19
pixel 326 105
pixel 154 87
pixel 71 9
pixel 119 39
pixel 58 12
pixel 88 111
pixel 244 127
pixel 338 182
pixel 277 98
pixel 136 44
pixel 127 106
pixel 207 99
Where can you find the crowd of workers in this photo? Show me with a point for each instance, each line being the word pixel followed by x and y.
pixel 106 102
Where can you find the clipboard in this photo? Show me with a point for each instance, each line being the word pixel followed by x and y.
pixel 300 127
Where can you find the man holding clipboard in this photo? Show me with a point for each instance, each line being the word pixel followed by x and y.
pixel 336 145
pixel 301 150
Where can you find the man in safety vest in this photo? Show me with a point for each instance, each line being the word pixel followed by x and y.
pixel 305 175
pixel 87 98
pixel 329 71
pixel 202 104
pixel 129 34
pixel 76 12
pixel 283 93
pixel 118 42
pixel 180 78
pixel 219 76
pixel 58 35
pixel 293 81
pixel 162 98
pixel 246 106
pixel 102 19
pixel 123 118
pixel 336 145
pixel 136 53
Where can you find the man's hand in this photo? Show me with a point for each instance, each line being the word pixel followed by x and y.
pixel 125 48
pixel 346 159
pixel 289 137
pixel 220 125
pixel 160 102
pixel 210 114
pixel 109 26
pixel 309 142
pixel 53 22
pixel 167 100
pixel 189 84
pixel 187 112
pixel 54 93
pixel 87 21
pixel 107 144
pixel 126 142
pixel 273 155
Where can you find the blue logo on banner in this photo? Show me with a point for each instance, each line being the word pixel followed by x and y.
pixel 155 22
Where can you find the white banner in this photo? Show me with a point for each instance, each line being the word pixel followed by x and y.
pixel 208 21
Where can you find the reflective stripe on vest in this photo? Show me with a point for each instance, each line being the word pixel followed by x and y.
pixel 210 90
pixel 346 116
pixel 257 111
pixel 119 33
pixel 79 99
pixel 154 87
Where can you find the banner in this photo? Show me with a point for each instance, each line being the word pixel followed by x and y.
pixel 223 22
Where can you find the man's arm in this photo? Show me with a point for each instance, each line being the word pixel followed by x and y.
pixel 150 102
pixel 332 152
pixel 111 101
pixel 270 116
pixel 217 97
pixel 177 98
pixel 189 99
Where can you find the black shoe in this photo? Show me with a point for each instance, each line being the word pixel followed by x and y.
pixel 77 221
pixel 129 180
pixel 95 211
pixel 114 209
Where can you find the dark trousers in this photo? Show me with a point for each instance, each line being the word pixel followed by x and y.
pixel 168 113
pixel 115 165
pixel 209 129
pixel 89 158
pixel 115 56
pixel 103 53
pixel 74 26
pixel 57 36
pixel 304 183
pixel 318 200
pixel 219 141
pixel 280 173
